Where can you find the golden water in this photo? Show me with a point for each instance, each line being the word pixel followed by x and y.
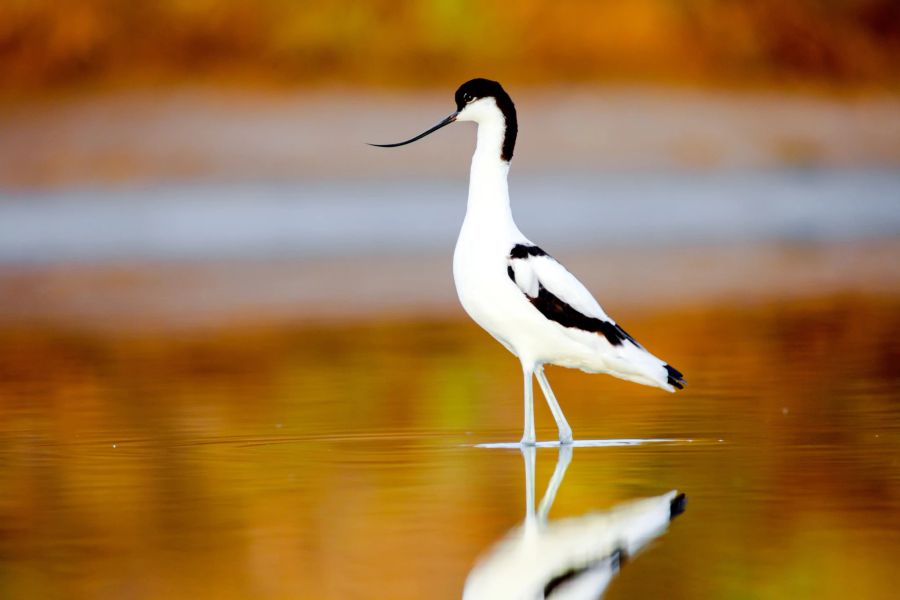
pixel 338 460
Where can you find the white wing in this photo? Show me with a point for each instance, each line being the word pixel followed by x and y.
pixel 560 297
pixel 557 280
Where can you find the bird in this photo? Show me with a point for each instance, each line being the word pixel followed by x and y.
pixel 517 292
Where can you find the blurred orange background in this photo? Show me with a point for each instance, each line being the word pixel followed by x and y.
pixel 47 44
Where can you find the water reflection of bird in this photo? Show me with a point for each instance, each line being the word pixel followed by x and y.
pixel 517 292
pixel 568 558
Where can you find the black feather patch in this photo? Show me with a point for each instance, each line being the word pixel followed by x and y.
pixel 616 559
pixel 675 379
pixel 523 251
pixel 556 310
pixel 677 506
pixel 562 579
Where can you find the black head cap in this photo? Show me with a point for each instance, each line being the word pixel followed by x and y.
pixel 475 89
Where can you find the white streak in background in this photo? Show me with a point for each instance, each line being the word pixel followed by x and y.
pixel 246 220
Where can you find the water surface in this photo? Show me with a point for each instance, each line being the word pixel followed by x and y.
pixel 341 460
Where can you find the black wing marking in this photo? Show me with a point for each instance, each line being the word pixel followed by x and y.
pixel 675 378
pixel 613 562
pixel 556 310
pixel 523 251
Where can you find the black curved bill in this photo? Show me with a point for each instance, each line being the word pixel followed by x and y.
pixel 443 123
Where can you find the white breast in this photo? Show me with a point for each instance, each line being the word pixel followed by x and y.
pixel 485 291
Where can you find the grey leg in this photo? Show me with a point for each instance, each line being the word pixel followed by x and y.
pixel 528 437
pixel 565 432
pixel 528 456
pixel 562 463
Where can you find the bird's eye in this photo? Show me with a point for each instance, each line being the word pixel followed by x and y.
pixel 467 97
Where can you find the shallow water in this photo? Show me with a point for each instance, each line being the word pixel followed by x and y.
pixel 343 460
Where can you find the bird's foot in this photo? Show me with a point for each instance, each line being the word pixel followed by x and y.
pixel 528 441
pixel 565 437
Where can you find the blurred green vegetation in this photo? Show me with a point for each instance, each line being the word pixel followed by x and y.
pixel 47 44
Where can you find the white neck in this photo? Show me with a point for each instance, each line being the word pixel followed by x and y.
pixel 488 190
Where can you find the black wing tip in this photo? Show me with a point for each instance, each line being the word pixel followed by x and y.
pixel 677 506
pixel 675 378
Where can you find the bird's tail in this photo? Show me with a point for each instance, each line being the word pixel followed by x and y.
pixel 634 363
pixel 674 377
